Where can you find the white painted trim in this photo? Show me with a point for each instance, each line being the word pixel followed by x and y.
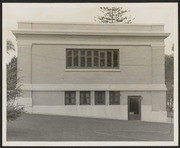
pixel 103 45
pixel 89 33
pixel 96 44
pixel 92 97
pixel 91 87
pixel 27 44
pixel 98 24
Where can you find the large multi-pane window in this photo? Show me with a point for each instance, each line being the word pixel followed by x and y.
pixel 92 58
pixel 70 98
pixel 85 98
pixel 99 97
pixel 114 97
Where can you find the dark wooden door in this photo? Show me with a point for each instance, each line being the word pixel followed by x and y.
pixel 134 108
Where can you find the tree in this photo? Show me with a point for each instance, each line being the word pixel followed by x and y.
pixel 13 88
pixel 169 80
pixel 114 15
pixel 10 46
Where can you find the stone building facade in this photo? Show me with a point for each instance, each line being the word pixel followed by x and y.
pixel 93 70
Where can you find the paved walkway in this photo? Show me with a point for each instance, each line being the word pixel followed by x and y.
pixel 31 127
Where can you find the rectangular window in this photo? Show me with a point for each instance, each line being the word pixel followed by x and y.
pixel 82 58
pixel 89 58
pixel 109 59
pixel 99 97
pixel 102 59
pixel 96 61
pixel 69 58
pixel 92 58
pixel 76 57
pixel 115 58
pixel 70 98
pixel 114 97
pixel 85 98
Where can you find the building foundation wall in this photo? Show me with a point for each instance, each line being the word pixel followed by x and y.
pixel 40 104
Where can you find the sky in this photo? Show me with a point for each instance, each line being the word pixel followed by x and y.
pixel 145 13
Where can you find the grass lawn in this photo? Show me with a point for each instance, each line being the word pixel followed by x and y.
pixel 34 127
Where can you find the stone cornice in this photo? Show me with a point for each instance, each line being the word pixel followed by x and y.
pixel 26 44
pixel 90 26
pixel 105 44
pixel 92 33
pixel 83 23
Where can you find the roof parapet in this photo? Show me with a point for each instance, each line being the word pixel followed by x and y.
pixel 89 27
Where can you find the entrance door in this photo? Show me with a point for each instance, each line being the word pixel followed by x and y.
pixel 134 108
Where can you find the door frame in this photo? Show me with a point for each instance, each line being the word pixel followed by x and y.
pixel 128 101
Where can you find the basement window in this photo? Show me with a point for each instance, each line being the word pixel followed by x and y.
pixel 114 97
pixel 99 97
pixel 85 98
pixel 70 98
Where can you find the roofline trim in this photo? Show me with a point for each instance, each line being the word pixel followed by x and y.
pixel 86 33
pixel 84 23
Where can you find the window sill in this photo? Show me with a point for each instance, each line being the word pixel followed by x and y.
pixel 92 70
